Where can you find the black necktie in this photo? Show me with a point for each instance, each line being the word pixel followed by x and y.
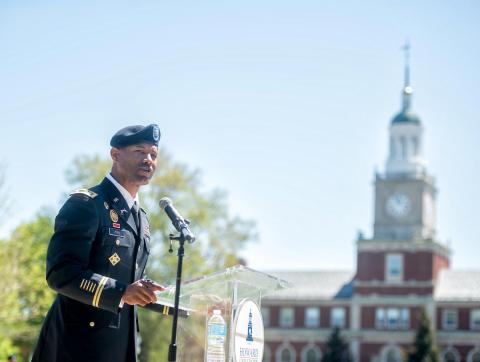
pixel 135 216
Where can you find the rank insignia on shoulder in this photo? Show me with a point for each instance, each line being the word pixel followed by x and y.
pixel 86 192
pixel 113 216
pixel 114 259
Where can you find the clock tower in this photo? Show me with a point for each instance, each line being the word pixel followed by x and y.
pixel 405 195
pixel 403 255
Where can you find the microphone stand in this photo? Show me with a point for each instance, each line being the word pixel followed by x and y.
pixel 172 349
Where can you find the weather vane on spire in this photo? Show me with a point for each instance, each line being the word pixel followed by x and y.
pixel 406 49
pixel 407 89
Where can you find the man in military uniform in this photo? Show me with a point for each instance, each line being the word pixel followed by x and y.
pixel 96 260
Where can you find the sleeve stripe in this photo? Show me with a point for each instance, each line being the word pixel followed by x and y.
pixel 98 293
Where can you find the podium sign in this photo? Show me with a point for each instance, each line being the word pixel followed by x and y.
pixel 236 292
pixel 248 333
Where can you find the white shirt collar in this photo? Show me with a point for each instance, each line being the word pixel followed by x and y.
pixel 126 195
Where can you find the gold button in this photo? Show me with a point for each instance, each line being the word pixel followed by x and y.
pixel 117 242
pixel 92 324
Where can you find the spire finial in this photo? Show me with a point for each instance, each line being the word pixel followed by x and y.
pixel 407 89
pixel 406 49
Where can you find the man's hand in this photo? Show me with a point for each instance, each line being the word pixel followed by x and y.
pixel 141 292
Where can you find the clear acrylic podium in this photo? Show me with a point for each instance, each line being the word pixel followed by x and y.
pixel 225 291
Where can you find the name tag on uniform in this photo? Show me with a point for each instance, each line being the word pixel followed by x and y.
pixel 116 232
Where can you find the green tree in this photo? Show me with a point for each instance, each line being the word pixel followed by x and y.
pixel 336 349
pixel 6 344
pixel 24 294
pixel 424 348
pixel 220 236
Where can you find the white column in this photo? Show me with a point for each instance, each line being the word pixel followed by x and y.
pixel 355 316
pixel 355 350
pixel 432 313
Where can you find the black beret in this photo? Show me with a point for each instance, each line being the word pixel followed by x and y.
pixel 133 135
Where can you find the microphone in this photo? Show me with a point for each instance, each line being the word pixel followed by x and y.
pixel 178 221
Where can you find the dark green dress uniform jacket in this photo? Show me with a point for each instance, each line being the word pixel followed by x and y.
pixel 95 252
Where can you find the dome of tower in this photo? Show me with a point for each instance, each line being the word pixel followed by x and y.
pixel 406 116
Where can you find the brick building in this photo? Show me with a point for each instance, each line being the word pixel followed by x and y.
pixel 401 269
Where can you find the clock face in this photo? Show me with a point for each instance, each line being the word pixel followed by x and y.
pixel 398 205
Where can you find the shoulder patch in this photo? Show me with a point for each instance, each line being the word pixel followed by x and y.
pixel 86 192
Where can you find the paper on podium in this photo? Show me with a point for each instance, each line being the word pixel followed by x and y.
pixel 168 309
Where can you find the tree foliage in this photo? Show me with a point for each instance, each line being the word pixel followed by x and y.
pixel 336 349
pixel 424 348
pixel 24 294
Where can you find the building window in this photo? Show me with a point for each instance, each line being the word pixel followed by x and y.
pixel 312 317
pixel 286 356
pixel 398 149
pixel 403 143
pixel 391 353
pixel 285 353
pixel 475 319
pixel 311 353
pixel 405 318
pixel 337 317
pixel 392 318
pixel 394 268
pixel 392 356
pixel 450 355
pixel 474 355
pixel 450 319
pixel 380 320
pixel 266 316
pixel 286 317
pixel 415 146
pixel 392 148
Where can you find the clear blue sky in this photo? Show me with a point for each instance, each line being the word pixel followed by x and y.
pixel 284 104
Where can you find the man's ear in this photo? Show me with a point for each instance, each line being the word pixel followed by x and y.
pixel 114 153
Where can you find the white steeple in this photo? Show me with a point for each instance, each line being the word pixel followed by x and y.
pixel 406 155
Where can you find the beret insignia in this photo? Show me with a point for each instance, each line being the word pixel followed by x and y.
pixel 156 133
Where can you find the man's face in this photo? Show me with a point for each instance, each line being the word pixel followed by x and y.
pixel 136 163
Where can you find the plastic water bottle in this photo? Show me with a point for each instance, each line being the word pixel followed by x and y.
pixel 216 335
